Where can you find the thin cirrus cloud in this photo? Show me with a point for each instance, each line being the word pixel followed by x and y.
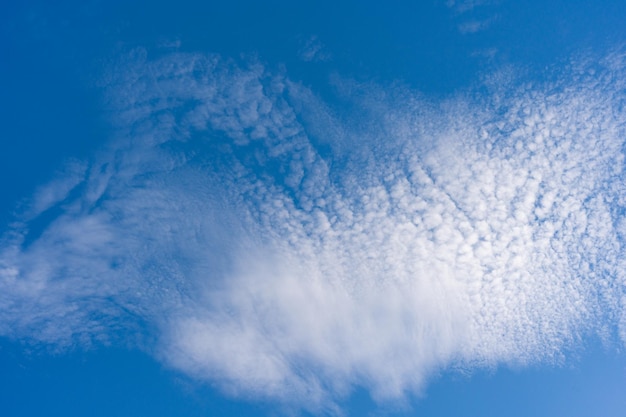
pixel 259 238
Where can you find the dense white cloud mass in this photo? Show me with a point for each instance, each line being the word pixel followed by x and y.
pixel 284 248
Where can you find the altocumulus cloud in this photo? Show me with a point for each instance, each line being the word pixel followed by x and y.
pixel 257 237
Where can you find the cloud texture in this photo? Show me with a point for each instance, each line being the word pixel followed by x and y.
pixel 255 236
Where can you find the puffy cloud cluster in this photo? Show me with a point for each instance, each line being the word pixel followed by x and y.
pixel 286 248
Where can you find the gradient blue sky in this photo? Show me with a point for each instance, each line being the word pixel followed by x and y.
pixel 319 208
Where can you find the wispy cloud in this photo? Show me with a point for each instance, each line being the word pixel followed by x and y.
pixel 474 15
pixel 286 249
pixel 312 49
pixel 464 6
pixel 474 26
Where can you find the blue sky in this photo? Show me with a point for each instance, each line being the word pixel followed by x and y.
pixel 312 208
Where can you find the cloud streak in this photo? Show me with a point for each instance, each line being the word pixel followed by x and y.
pixel 259 238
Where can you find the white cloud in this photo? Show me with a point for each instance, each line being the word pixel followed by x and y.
pixel 464 6
pixel 312 49
pixel 474 26
pixel 467 232
pixel 51 194
pixel 474 15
